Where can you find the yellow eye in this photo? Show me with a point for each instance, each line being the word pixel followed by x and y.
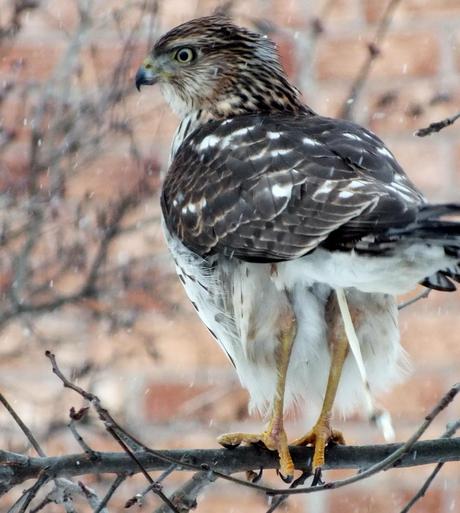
pixel 185 55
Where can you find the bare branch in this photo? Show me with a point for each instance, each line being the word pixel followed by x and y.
pixel 185 498
pixel 423 295
pixel 113 488
pixel 16 468
pixel 346 111
pixel 437 126
pixel 21 424
pixel 423 489
pixel 113 428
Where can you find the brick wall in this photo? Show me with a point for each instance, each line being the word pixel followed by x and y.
pixel 166 379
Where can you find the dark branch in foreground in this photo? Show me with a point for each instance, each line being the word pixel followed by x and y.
pixel 16 468
pixel 437 126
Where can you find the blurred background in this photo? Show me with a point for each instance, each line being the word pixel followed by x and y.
pixel 84 270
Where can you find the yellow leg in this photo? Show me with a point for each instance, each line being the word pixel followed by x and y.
pixel 274 437
pixel 322 433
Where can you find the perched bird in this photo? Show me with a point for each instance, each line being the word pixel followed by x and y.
pixel 291 232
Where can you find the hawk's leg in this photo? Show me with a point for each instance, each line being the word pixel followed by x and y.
pixel 322 433
pixel 274 437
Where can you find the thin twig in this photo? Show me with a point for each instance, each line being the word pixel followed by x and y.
pixel 75 417
pixel 111 427
pixel 28 495
pixel 437 126
pixel 346 111
pixel 423 489
pixel 23 427
pixel 413 300
pixel 185 498
pixel 137 499
pixel 113 488
pixel 279 500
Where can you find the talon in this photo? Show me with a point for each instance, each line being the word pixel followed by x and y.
pixel 319 437
pixel 286 479
pixel 272 439
pixel 229 446
pixel 253 476
pixel 317 477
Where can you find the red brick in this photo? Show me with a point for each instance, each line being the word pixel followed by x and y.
pixel 163 401
pixel 286 50
pixel 407 107
pixel 339 58
pixel 413 9
pixel 425 162
pixel 456 49
pixel 412 54
pixel 401 54
pixel 431 336
pixel 28 61
pixel 294 14
pixel 416 396
pixel 384 496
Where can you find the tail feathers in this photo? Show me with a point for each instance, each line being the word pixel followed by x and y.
pixel 432 227
pixel 439 281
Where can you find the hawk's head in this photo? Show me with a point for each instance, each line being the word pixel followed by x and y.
pixel 211 64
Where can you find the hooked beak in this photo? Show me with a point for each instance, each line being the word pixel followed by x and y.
pixel 146 74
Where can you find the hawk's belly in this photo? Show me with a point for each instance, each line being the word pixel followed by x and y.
pixel 241 302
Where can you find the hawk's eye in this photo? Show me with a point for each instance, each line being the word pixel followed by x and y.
pixel 185 55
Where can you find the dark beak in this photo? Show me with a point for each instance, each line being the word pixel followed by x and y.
pixel 145 76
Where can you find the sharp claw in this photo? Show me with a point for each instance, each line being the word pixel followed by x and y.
pixel 301 479
pixel 317 477
pixel 229 446
pixel 254 477
pixel 286 479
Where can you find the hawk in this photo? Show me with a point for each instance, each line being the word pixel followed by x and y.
pixel 291 232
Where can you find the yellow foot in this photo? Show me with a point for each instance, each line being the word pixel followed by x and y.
pixel 273 440
pixel 319 437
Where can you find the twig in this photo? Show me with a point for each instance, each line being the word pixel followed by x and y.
pixel 111 426
pixel 113 488
pixel 22 426
pixel 28 495
pixel 185 498
pixel 437 126
pixel 449 433
pixel 346 111
pixel 140 496
pixel 279 500
pixel 413 300
pixel 75 417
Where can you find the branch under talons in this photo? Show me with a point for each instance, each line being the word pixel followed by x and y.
pixel 16 468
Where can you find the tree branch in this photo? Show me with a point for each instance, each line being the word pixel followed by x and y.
pixel 346 111
pixel 16 468
pixel 437 126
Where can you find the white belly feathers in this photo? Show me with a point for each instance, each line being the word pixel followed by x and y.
pixel 240 303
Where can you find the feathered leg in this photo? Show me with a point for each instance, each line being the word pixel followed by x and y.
pixel 274 437
pixel 322 432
